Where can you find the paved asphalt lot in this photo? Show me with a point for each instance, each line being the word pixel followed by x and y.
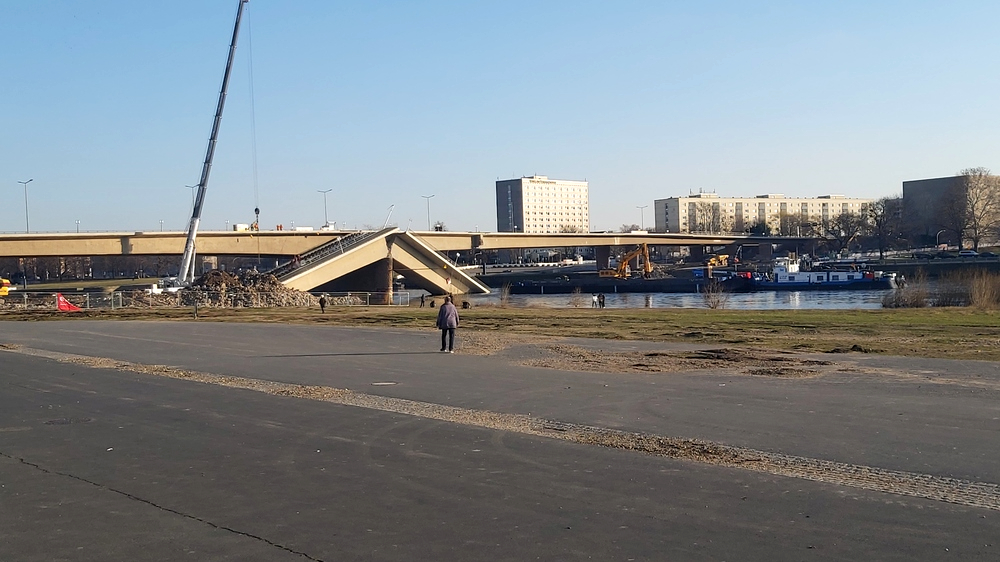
pixel 98 464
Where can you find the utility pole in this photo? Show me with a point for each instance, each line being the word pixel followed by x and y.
pixel 642 216
pixel 428 198
pixel 326 216
pixel 27 229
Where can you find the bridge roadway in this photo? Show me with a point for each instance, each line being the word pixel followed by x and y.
pixel 290 243
pixel 328 260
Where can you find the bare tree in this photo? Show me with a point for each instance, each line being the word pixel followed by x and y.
pixel 885 222
pixel 982 204
pixel 843 229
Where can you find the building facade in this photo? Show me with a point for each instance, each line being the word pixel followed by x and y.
pixel 925 205
pixel 709 213
pixel 539 205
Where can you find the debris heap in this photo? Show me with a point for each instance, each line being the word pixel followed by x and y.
pixel 248 289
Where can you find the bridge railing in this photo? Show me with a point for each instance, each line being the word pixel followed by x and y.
pixel 334 247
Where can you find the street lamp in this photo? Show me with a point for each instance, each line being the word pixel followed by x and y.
pixel 642 216
pixel 25 184
pixel 326 216
pixel 937 237
pixel 161 225
pixel 78 226
pixel 428 198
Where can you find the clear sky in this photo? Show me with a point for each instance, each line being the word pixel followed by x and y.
pixel 108 105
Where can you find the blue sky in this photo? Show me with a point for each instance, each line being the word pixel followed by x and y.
pixel 108 105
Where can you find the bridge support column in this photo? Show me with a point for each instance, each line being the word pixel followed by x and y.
pixel 603 257
pixel 383 281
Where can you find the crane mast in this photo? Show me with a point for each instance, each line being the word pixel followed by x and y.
pixel 187 260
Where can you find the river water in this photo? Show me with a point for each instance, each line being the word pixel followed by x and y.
pixel 758 300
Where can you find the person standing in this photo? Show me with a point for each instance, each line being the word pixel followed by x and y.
pixel 447 322
pixel 322 303
pixel 600 300
pixel 593 303
pixel 421 301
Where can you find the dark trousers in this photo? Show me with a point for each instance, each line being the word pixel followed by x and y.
pixel 447 336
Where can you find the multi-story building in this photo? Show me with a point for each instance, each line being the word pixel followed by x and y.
pixel 539 205
pixel 926 208
pixel 707 212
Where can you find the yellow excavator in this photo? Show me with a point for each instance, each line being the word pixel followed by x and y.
pixel 721 260
pixel 4 287
pixel 623 270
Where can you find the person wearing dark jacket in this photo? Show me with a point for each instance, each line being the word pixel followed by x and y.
pixel 447 322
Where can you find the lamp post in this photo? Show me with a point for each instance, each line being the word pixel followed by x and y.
pixel 428 198
pixel 326 216
pixel 25 184
pixel 192 188
pixel 161 225
pixel 937 237
pixel 642 216
pixel 78 226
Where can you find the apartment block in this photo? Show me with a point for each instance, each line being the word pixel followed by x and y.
pixel 539 205
pixel 707 212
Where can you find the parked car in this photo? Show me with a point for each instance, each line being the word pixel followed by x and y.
pixel 923 256
pixel 987 255
pixel 968 253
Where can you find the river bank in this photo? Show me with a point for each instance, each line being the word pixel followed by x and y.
pixel 953 333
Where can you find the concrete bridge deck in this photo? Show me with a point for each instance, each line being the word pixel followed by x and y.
pixel 420 256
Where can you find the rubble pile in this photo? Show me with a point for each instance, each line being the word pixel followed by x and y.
pixel 139 299
pixel 248 289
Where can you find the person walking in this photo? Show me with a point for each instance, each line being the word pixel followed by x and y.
pixel 447 322
pixel 593 303
pixel 421 301
pixel 600 300
pixel 322 303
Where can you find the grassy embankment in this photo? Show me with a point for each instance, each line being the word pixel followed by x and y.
pixel 955 333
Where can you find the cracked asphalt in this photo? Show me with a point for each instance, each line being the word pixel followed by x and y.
pixel 118 464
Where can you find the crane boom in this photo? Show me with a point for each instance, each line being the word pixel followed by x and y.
pixel 187 260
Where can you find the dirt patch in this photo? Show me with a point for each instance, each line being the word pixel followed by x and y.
pixel 740 361
pixel 853 349
pixel 783 372
pixel 492 343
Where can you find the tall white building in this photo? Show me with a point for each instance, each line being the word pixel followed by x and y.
pixel 539 205
pixel 707 212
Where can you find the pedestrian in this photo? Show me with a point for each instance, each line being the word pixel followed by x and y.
pixel 447 322
pixel 322 303
pixel 593 302
pixel 421 301
pixel 600 300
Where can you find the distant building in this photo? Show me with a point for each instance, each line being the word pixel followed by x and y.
pixel 923 204
pixel 539 205
pixel 709 213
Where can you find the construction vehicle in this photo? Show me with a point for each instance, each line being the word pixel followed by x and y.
pixel 4 287
pixel 186 275
pixel 623 271
pixel 720 260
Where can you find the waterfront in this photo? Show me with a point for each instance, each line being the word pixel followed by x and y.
pixel 757 300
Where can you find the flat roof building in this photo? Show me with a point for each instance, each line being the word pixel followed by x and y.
pixel 539 205
pixel 709 213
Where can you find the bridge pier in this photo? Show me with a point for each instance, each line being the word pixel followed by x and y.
pixel 603 256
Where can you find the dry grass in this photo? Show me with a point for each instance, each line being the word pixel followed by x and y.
pixel 958 333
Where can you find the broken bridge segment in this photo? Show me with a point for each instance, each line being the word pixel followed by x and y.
pixel 390 251
pixel 427 268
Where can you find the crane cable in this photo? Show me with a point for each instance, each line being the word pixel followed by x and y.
pixel 253 130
